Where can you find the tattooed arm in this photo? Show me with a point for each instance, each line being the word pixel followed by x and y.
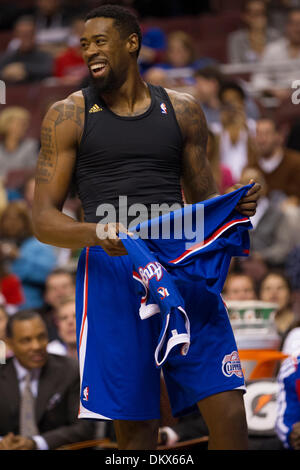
pixel 60 134
pixel 197 179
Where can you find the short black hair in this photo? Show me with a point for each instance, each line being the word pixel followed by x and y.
pixel 22 315
pixel 125 21
pixel 231 85
pixel 210 73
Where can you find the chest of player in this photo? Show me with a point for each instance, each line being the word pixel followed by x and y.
pixel 152 136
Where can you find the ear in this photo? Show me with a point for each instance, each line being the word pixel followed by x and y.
pixel 133 43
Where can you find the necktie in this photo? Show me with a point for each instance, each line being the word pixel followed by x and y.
pixel 28 425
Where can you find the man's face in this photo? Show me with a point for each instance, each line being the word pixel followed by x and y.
pixel 255 14
pixel 240 288
pixel 267 139
pixel 206 88
pixel 293 28
pixel 66 323
pixel 275 289
pixel 105 53
pixel 58 286
pixel 29 341
pixel 25 32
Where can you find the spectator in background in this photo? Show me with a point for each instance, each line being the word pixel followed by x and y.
pixel 24 62
pixel 221 173
pixel 29 259
pixel 288 401
pixel 52 25
pixel 239 286
pixel 153 48
pixel 236 131
pixel 10 284
pixel 291 340
pixel 278 11
pixel 283 56
pixel 248 44
pixel 69 66
pixel 39 392
pixel 181 62
pixel 17 152
pixel 59 285
pixel 275 288
pixel 272 237
pixel 280 167
pixel 208 82
pixel 28 191
pixel 65 319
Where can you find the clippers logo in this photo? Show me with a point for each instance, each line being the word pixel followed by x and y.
pixel 150 271
pixel 163 108
pixel 231 365
pixel 163 292
pixel 86 394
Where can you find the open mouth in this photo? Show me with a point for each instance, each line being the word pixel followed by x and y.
pixel 98 69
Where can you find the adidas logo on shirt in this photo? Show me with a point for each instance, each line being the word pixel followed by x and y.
pixel 95 109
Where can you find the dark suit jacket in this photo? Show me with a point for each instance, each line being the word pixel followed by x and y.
pixel 57 402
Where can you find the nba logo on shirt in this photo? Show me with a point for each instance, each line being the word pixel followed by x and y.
pixel 163 108
pixel 86 394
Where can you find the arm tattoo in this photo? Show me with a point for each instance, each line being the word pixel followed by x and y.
pixel 197 178
pixel 47 161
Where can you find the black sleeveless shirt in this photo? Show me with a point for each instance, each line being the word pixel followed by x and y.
pixel 134 156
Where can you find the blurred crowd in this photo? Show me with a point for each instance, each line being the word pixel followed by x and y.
pixel 253 122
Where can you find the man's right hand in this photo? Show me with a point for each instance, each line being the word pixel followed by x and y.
pixel 7 442
pixel 109 240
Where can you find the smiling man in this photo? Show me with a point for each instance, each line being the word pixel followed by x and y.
pixel 124 137
pixel 38 391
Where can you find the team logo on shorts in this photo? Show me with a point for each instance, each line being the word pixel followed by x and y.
pixel 86 394
pixel 231 365
pixel 163 108
pixel 163 292
pixel 151 270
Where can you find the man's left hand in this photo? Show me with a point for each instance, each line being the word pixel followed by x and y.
pixel 23 443
pixel 247 205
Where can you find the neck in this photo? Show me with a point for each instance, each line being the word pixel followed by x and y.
pixel 72 350
pixel 11 143
pixel 269 155
pixel 131 92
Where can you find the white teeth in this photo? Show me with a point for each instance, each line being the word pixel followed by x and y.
pixel 97 66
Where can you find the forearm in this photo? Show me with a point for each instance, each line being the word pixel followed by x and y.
pixel 56 228
pixel 200 188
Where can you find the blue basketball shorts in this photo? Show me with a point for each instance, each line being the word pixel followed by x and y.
pixel 118 375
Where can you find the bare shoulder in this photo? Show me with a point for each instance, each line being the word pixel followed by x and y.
pixel 70 109
pixel 188 112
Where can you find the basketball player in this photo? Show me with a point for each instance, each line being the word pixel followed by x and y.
pixel 122 136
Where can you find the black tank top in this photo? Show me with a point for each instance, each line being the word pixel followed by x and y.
pixel 134 156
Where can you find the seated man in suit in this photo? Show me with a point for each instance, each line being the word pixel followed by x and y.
pixel 39 392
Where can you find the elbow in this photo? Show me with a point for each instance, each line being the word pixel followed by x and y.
pixel 39 226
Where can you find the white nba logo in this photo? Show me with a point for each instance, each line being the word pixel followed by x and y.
pixel 86 394
pixel 163 108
